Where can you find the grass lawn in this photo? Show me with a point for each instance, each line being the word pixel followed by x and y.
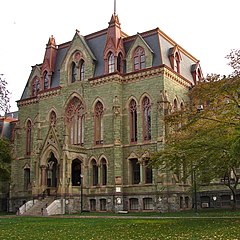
pixel 119 228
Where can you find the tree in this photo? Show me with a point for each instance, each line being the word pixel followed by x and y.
pixel 5 159
pixel 205 135
pixel 4 95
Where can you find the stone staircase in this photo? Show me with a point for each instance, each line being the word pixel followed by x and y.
pixel 39 208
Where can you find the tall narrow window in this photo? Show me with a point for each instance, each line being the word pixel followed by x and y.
pixel 133 120
pixel 120 63
pixel 104 171
pixel 146 108
pixel 29 138
pixel 26 178
pixel 82 70
pixel 73 72
pixel 46 80
pixel 139 58
pixel 177 63
pixel 94 173
pixel 135 171
pixel 98 114
pixel 111 63
pixel 148 172
pixel 75 121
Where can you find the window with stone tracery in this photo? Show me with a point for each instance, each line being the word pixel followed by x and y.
pixel 139 59
pixel 146 111
pixel 75 121
pixel 133 120
pixel 28 137
pixel 98 121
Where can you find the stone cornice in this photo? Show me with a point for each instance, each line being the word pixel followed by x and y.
pixel 139 76
pixel 41 95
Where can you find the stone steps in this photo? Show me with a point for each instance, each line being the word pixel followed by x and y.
pixel 39 209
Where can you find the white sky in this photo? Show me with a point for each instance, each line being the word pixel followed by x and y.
pixel 208 29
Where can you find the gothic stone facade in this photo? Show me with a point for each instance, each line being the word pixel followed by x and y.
pixel 92 114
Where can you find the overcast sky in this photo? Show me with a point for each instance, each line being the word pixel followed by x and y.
pixel 208 29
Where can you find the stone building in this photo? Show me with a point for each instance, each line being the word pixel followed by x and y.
pixel 91 115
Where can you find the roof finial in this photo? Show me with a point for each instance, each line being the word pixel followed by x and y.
pixel 115 7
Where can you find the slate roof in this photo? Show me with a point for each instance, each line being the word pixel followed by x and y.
pixel 158 42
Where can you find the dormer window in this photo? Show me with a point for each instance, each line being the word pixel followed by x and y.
pixel 46 80
pixel 139 58
pixel 120 63
pixel 197 73
pixel 73 72
pixel 176 63
pixel 82 70
pixel 175 58
pixel 111 63
pixel 35 87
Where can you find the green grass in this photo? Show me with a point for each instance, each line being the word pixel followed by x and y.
pixel 119 228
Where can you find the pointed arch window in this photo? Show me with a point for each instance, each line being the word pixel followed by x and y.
pixel 46 80
pixel 28 138
pixel 98 114
pixel 35 87
pixel 135 170
pixel 104 171
pixel 82 70
pixel 94 173
pixel 111 63
pixel 177 63
pixel 75 121
pixel 146 110
pixel 73 72
pixel 52 118
pixel 133 120
pixel 26 178
pixel 120 63
pixel 139 59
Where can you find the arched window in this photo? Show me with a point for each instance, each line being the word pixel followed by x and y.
pixel 82 70
pixel 94 173
pixel 177 63
pixel 139 58
pixel 98 114
pixel 35 87
pixel 146 111
pixel 26 178
pixel 175 105
pixel 133 120
pixel 75 121
pixel 28 138
pixel 73 72
pixel 46 80
pixel 104 171
pixel 52 118
pixel 120 63
pixel 111 63
pixel 76 172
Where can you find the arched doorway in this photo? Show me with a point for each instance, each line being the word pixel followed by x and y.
pixel 52 171
pixel 76 172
